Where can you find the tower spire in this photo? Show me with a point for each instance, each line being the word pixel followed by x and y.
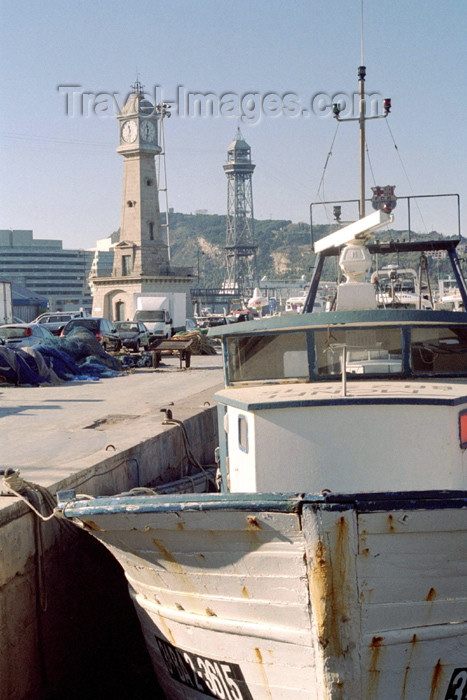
pixel 240 235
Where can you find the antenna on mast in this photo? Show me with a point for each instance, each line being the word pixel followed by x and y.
pixel 361 119
pixel 362 62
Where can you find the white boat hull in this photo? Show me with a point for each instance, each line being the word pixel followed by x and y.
pixel 271 598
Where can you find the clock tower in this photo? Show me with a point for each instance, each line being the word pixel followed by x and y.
pixel 141 257
pixel 141 250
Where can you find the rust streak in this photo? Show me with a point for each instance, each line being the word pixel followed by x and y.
pixel 409 663
pixel 245 593
pixel 376 642
pixel 329 591
pixel 210 612
pixel 376 645
pixel 431 594
pixel 435 679
pixel 259 660
pixel 253 523
pixel 165 629
pixel 163 550
pixel 91 525
pixel 391 523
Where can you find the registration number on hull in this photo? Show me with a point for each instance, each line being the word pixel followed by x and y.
pixel 458 686
pixel 214 678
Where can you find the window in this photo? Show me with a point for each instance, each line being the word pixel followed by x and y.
pixel 268 357
pixel 439 350
pixel 368 351
pixel 243 433
pixel 151 230
pixel 126 265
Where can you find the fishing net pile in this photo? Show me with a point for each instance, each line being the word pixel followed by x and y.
pixel 79 356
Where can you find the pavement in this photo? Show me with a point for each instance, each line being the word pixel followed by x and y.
pixel 51 432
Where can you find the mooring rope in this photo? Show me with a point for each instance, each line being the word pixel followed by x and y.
pixel 15 484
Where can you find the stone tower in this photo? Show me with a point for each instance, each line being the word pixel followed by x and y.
pixel 141 257
pixel 240 236
pixel 141 251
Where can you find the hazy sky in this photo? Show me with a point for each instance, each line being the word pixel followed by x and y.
pixel 271 67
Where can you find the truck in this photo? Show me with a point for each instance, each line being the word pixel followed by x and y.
pixel 162 315
pixel 6 303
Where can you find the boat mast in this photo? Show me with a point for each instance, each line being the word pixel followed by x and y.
pixel 361 118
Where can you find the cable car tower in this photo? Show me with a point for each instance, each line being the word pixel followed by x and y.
pixel 240 236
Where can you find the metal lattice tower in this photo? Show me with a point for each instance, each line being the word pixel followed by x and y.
pixel 240 235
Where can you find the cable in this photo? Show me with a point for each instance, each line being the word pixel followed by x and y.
pixel 186 442
pixel 325 166
pixel 406 174
pixel 369 162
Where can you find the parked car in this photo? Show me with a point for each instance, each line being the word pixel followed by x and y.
pixel 104 331
pixel 55 322
pixel 25 334
pixel 133 334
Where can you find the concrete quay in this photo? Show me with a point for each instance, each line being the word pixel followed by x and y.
pixel 67 627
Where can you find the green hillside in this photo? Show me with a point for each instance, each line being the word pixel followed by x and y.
pixel 284 248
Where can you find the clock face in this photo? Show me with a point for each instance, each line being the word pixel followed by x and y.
pixel 129 131
pixel 147 131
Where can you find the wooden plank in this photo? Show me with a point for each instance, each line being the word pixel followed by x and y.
pixel 446 520
pixel 215 521
pixel 378 618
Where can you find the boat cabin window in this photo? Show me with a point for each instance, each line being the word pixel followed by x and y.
pixel 268 357
pixel 439 350
pixel 406 350
pixel 367 350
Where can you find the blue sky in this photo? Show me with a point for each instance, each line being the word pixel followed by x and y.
pixel 62 177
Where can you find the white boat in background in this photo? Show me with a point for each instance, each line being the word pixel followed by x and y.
pixel 452 302
pixel 449 296
pixel 401 288
pixel 258 302
pixel 331 563
pixel 296 304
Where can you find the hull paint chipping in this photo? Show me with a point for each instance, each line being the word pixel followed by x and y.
pixel 359 596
